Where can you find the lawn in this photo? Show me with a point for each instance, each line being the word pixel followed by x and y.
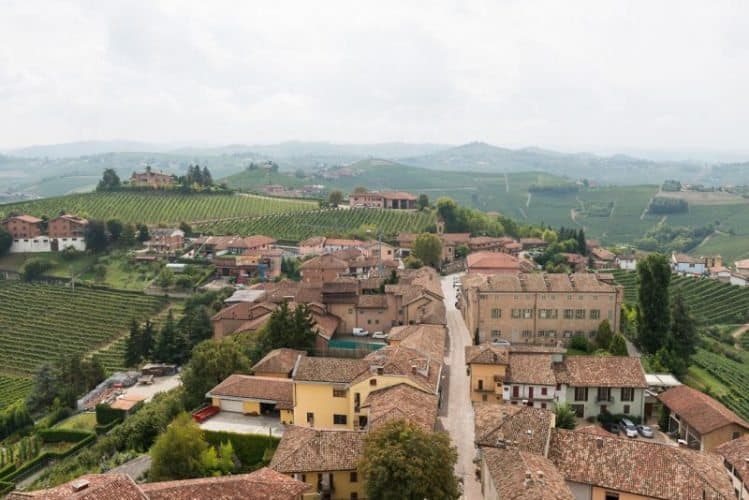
pixel 61 268
pixel 80 422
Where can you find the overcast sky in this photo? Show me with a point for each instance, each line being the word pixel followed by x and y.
pixel 567 74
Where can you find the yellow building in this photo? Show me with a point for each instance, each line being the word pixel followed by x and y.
pixel 487 366
pixel 326 460
pixel 251 395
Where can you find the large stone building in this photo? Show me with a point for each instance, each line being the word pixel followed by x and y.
pixel 383 199
pixel 155 180
pixel 539 308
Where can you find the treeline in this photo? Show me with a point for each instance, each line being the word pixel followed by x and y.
pixel 61 383
pixel 665 205
pixel 196 180
pixel 665 238
pixel 671 185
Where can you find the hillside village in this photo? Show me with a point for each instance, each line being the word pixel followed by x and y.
pixel 522 348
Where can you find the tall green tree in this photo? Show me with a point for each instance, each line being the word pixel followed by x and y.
pixel 115 227
pixel 95 236
pixel 604 334
pixel 177 453
pixel 195 325
pixel 335 198
pixel 427 247
pixel 565 417
pixel 401 461
pixel 46 386
pixel 110 181
pixel 148 340
pixel 211 362
pixel 288 328
pixel 654 315
pixel 618 345
pixel 134 345
pixel 166 342
pixel 682 340
pixel 422 202
pixel 6 240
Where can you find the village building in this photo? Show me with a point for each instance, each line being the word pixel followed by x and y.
pixel 164 240
pixel 503 426
pixel 602 258
pixel 214 245
pixel 401 200
pixel 597 467
pixel 484 262
pixel 254 395
pixel 533 243
pixel 592 385
pixel 735 455
pixel 700 420
pixel 323 268
pixel 63 231
pixel 450 243
pixel 508 473
pixel 261 484
pixel 23 227
pixel 278 363
pixel 540 308
pixel 152 179
pixel 688 265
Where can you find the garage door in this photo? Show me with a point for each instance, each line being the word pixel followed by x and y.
pixel 228 405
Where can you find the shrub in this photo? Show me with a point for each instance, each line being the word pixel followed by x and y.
pixel 580 343
pixel 105 414
pixel 250 449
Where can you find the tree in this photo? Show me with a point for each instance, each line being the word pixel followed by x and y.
pixel 148 340
pixel 207 177
pixel 95 236
pixel 565 417
pixel 133 345
pixel 34 269
pixel 683 338
pixel 115 227
pixel 185 228
pixel 402 461
pixel 287 328
pixel 604 334
pixel 654 318
pixel 211 362
pixel 46 385
pixel 127 238
pixel 143 234
pixel 6 240
pixel 165 279
pixel 195 325
pixel 335 198
pixel 618 345
pixel 428 248
pixel 110 181
pixel 422 202
pixel 166 342
pixel 360 189
pixel 177 453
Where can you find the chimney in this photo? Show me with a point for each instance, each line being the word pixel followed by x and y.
pixel 79 485
pixel 599 443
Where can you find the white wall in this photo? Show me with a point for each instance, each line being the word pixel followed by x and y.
pixel 44 244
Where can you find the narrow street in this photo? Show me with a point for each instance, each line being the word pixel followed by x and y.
pixel 459 419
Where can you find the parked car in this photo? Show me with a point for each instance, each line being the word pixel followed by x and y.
pixel 645 431
pixel 379 335
pixel 500 342
pixel 628 428
pixel 611 427
pixel 360 332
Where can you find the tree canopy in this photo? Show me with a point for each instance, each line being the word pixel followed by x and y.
pixel 110 181
pixel 211 362
pixel 428 248
pixel 402 461
pixel 335 198
pixel 654 317
pixel 178 453
pixel 6 240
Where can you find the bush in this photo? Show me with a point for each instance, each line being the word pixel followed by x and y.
pixel 250 449
pixel 580 343
pixel 105 414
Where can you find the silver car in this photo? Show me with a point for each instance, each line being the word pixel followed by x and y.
pixel 628 428
pixel 645 431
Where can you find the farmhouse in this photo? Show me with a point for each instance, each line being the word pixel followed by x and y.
pixel 383 199
pixel 687 265
pixel 62 232
pixel 155 180
pixel 165 240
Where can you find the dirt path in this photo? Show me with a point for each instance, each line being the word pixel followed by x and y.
pixel 736 334
pixel 528 201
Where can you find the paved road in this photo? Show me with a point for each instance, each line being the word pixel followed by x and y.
pixel 135 468
pixel 459 419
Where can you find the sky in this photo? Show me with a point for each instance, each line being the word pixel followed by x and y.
pixel 572 75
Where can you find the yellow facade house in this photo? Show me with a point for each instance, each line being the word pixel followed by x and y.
pixel 251 395
pixel 487 366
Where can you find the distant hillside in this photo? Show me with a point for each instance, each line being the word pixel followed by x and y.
pixel 618 169
pixel 87 148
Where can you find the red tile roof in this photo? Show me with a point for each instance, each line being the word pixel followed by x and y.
pixel 492 260
pixel 600 371
pixel 698 410
pixel 536 369
pixel 736 453
pixel 279 390
pixel 89 487
pixel 520 475
pixel 303 449
pixel 402 402
pixel 278 361
pixel 524 427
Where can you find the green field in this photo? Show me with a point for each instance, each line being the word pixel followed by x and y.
pixel 730 247
pixel 158 207
pixel 733 376
pixel 39 323
pixel 711 302
pixel 298 226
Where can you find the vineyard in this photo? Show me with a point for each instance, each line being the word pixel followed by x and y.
pixel 710 301
pixel 156 208
pixel 732 374
pixel 298 226
pixel 39 323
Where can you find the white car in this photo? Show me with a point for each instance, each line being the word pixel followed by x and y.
pixel 360 332
pixel 645 431
pixel 628 428
pixel 379 335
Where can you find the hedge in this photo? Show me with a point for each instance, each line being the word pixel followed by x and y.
pixel 58 435
pixel 103 429
pixel 249 448
pixel 80 438
pixel 105 414
pixel 6 487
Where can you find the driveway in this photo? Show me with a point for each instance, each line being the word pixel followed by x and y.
pixel 160 384
pixel 135 468
pixel 459 420
pixel 240 424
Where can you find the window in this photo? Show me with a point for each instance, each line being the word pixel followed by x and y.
pixel 736 435
pixel 339 393
pixel 353 477
pixel 310 418
pixel 551 333
pixel 339 419
pixel 373 382
pixel 543 391
pixel 496 334
pixel 484 397
pixel 483 296
pixel 481 385
pixel 527 313
pixel 354 495
pixel 515 391
pixel 543 405
pixel 628 394
pixel 595 314
pixel 526 333
pixel 611 496
pixel 581 393
pixel 369 321
pixel 496 313
pixel 579 410
pixel 604 394
pixel 626 409
pixel 567 333
pixel 579 313
pixel 568 313
pixel 515 313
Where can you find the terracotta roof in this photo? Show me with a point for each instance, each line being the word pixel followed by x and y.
pixel 520 475
pixel 531 369
pixel 128 402
pixel 398 195
pixel 455 238
pixel 335 370
pixel 278 361
pixel 402 401
pixel 682 258
pixel 313 450
pixel 92 487
pixel 79 220
pixel 538 349
pixel 313 241
pixel 326 261
pixel 372 302
pixel 600 371
pixel 602 254
pixel 532 241
pixel 595 430
pixel 643 468
pixel 700 411
pixel 736 453
pixel 500 424
pixel 420 368
pixel 428 339
pixel 258 388
pixel 263 484
pixel 487 354
pixel 405 239
pixel 341 242
pixel 541 282
pixel 27 218
pixel 492 260
pixel 341 285
pixel 325 324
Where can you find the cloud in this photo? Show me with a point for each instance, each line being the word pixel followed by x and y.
pixel 595 75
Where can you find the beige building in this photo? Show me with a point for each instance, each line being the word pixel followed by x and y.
pixel 735 455
pixel 512 474
pixel 539 308
pixel 700 420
